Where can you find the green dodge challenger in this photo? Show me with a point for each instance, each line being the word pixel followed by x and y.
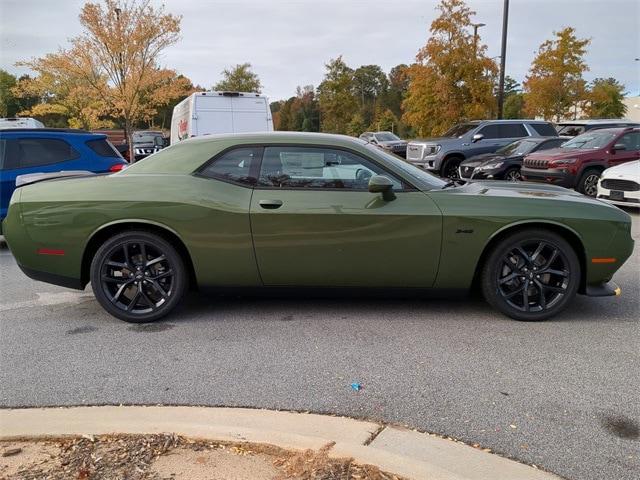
pixel 314 211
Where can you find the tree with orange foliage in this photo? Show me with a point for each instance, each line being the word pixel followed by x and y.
pixel 555 85
pixel 114 63
pixel 452 79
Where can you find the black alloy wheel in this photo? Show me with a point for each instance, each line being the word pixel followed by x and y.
pixel 513 175
pixel 531 275
pixel 450 168
pixel 138 277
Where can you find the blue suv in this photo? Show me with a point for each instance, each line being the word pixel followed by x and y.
pixel 43 150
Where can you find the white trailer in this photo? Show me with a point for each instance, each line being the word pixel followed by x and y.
pixel 205 113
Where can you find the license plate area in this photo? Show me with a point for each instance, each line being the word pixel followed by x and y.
pixel 616 195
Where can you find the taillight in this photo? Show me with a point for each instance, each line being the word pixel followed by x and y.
pixel 116 167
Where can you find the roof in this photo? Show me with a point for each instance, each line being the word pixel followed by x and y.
pixel 507 120
pixel 597 121
pixel 187 155
pixel 45 130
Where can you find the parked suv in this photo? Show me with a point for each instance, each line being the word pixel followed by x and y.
pixel 573 128
pixel 388 141
pixel 146 143
pixel 443 155
pixel 579 162
pixel 41 150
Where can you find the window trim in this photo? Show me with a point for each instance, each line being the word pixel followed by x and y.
pixel 254 171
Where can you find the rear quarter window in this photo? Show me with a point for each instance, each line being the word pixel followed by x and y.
pixel 544 129
pixel 103 147
pixel 34 152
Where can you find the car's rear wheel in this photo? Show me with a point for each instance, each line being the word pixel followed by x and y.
pixel 588 183
pixel 531 275
pixel 138 276
pixel 513 175
pixel 450 168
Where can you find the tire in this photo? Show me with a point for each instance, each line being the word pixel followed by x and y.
pixel 450 168
pixel 588 183
pixel 512 175
pixel 118 278
pixel 554 270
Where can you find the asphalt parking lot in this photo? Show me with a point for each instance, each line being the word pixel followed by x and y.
pixel 561 394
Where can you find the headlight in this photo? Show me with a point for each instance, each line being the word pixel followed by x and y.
pixel 430 150
pixel 564 161
pixel 491 166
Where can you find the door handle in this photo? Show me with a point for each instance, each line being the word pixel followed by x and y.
pixel 270 204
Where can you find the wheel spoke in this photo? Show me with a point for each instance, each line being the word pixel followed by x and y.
pixel 554 289
pixel 110 279
pixel 525 296
pixel 538 251
pixel 514 292
pixel 550 260
pixel 134 300
pixel 523 254
pixel 168 273
pixel 120 265
pixel 147 299
pixel 127 259
pixel 122 288
pixel 155 260
pixel 509 277
pixel 143 252
pixel 159 289
pixel 542 298
pixel 560 273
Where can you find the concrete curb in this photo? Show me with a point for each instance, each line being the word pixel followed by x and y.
pixel 404 452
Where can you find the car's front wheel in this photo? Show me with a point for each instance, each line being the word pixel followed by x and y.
pixel 513 175
pixel 138 276
pixel 588 183
pixel 531 275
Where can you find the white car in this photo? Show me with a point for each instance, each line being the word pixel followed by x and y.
pixel 620 185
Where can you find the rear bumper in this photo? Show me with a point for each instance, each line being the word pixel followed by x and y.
pixel 553 176
pixel 54 279
pixel 605 289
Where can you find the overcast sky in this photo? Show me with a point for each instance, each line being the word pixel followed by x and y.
pixel 288 42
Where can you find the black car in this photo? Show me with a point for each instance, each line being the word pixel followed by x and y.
pixel 506 162
pixel 147 142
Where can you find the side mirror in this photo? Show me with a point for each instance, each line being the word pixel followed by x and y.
pixel 477 137
pixel 383 185
pixel 618 146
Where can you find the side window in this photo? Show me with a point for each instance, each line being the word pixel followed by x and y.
pixel 544 129
pixel 34 152
pixel 512 130
pixel 234 166
pixel 490 131
pixel 310 167
pixel 3 142
pixel 630 140
pixel 102 147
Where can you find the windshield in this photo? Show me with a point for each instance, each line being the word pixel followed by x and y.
pixel 386 137
pixel 519 147
pixel 145 137
pixel 421 176
pixel 590 140
pixel 460 130
pixel 570 130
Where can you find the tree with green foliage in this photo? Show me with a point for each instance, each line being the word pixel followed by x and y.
pixel 369 84
pixel 513 99
pixel 554 87
pixel 356 125
pixel 605 99
pixel 239 78
pixel 335 97
pixel 384 121
pixel 9 104
pixel 452 79
pixel 299 113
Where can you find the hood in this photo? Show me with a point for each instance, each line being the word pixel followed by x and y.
pixel 478 160
pixel 437 141
pixel 558 153
pixel 628 170
pixel 393 143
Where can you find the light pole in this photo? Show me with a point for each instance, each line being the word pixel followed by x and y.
pixel 503 56
pixel 476 26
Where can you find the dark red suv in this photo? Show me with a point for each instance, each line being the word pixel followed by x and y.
pixel 579 162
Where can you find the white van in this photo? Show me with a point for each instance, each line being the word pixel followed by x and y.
pixel 20 122
pixel 204 113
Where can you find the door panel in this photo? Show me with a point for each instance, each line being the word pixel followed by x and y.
pixel 345 238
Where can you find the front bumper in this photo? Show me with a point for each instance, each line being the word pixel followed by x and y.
pixel 619 197
pixel 476 174
pixel 554 176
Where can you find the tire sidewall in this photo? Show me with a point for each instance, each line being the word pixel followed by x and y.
pixel 175 260
pixel 583 179
pixel 489 274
